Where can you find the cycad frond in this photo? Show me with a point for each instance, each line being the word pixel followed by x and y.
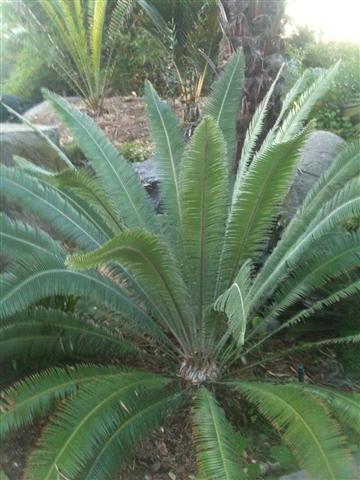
pixel 118 178
pixel 217 450
pixel 235 304
pixel 47 204
pixel 336 256
pixel 90 419
pixel 306 427
pixel 204 193
pixel 253 211
pixel 89 189
pixel 54 334
pixel 32 281
pixel 146 415
pixel 344 168
pixel 346 406
pixel 343 206
pixel 293 122
pixel 152 264
pixel 35 396
pixel 224 101
pixel 20 240
pixel 252 135
pixel 169 144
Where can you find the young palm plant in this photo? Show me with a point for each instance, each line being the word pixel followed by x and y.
pixel 182 295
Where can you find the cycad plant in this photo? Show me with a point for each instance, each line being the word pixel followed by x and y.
pixel 189 31
pixel 183 296
pixel 78 39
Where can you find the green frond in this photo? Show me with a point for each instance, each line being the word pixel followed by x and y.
pixel 169 144
pixel 217 451
pixel 54 334
pixel 31 168
pixel 224 101
pixel 335 256
pixel 88 188
pixel 234 303
pixel 31 281
pixel 344 205
pixel 346 406
pixel 204 193
pixel 299 87
pixel 252 135
pixel 344 168
pixel 117 177
pixel 305 426
pixel 20 240
pixel 254 210
pixel 89 419
pixel 96 32
pixel 293 122
pixel 149 413
pixel 151 263
pixel 51 207
pixel 37 394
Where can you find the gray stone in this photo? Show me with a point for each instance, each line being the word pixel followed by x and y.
pixel 149 177
pixel 317 155
pixel 20 140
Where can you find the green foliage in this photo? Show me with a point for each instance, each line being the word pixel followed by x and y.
pixel 78 39
pixel 184 293
pixel 332 111
pixel 136 151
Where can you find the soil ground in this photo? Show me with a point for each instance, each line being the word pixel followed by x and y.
pixel 123 119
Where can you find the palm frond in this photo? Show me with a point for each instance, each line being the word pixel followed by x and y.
pixel 217 451
pixel 204 189
pixel 117 177
pixel 306 427
pixel 169 143
pixel 52 208
pixel 90 419
pixel 235 304
pixel 224 101
pixel 54 334
pixel 151 263
pixel 254 210
pixel 36 395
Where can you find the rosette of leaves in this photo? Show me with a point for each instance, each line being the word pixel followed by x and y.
pixel 182 295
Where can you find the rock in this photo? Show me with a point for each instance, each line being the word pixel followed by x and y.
pixel 149 177
pixel 16 103
pixel 43 111
pixel 317 155
pixel 21 140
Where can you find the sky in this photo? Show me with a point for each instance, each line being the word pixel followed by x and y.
pixel 337 20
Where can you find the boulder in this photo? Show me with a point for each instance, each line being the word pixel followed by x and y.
pixel 16 103
pixel 149 178
pixel 20 140
pixel 317 155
